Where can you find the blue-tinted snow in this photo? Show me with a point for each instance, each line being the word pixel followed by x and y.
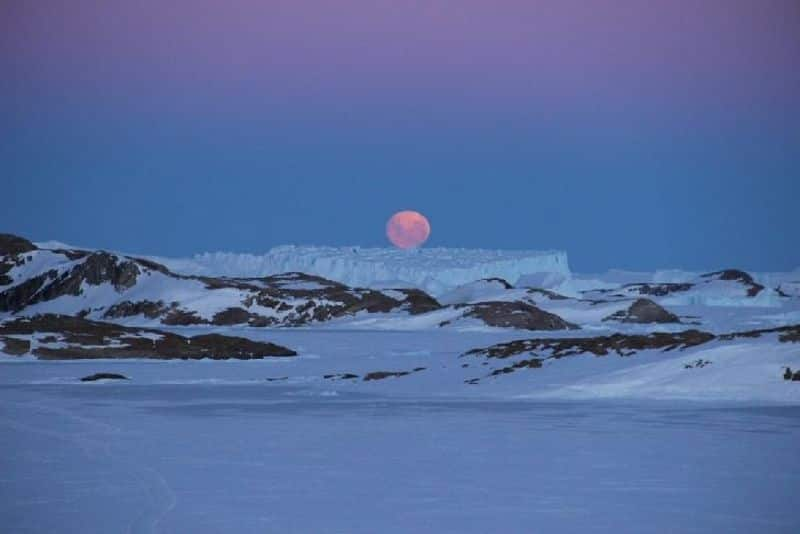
pixel 204 458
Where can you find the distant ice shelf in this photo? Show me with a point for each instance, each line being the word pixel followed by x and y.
pixel 432 269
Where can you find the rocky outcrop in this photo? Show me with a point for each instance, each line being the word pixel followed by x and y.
pixel 543 349
pixel 643 311
pixel 127 308
pixel 11 245
pixel 15 346
pixel 97 268
pixel 290 299
pixel 12 254
pixel 380 375
pixel 417 301
pixel 500 281
pixel 516 314
pixel 104 376
pixel 621 344
pixel 546 293
pixel 736 275
pixel 658 289
pixel 67 337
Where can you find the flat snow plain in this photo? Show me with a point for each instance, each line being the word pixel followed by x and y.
pixel 213 447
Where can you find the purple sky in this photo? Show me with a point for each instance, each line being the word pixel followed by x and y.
pixel 487 57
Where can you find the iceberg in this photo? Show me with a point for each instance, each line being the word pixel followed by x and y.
pixel 435 270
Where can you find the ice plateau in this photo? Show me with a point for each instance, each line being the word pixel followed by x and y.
pixel 433 269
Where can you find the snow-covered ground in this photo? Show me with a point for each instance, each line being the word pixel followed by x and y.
pixel 252 457
pixel 385 421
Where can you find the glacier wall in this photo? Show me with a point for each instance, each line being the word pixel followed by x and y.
pixel 432 269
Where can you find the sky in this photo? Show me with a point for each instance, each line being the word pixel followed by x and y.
pixel 634 135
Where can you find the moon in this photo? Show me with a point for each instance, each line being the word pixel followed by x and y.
pixel 408 229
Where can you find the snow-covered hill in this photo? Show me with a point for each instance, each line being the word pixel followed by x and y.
pixel 119 306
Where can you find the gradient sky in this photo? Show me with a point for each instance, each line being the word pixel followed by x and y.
pixel 631 134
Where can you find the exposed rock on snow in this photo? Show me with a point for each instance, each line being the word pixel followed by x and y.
pixel 643 311
pixel 736 275
pixel 101 285
pixel 380 375
pixel 657 290
pixel 514 314
pixel 104 376
pixel 621 344
pixel 730 287
pixel 11 245
pixel 65 337
pixel 544 349
pixel 95 269
pixel 15 346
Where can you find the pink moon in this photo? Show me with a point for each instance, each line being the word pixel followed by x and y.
pixel 408 229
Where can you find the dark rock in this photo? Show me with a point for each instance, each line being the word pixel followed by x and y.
pixel 533 363
pixel 93 339
pixel 621 344
pixel 104 376
pixel 341 376
pixel 73 254
pixel 15 346
pixel 178 317
pixel 552 295
pixel 786 334
pixel 698 364
pixel 128 308
pixel 737 276
pixel 500 281
pixel 11 244
pixel 233 316
pixel 101 267
pixel 19 296
pixel 380 375
pixel 417 301
pixel 516 314
pixel 96 269
pixel 658 290
pixel 787 375
pixel 643 311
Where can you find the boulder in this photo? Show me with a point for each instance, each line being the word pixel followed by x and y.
pixel 104 376
pixel 516 314
pixel 643 311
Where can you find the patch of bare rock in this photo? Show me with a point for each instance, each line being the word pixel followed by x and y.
pixel 104 376
pixel 644 311
pixel 380 375
pixel 543 349
pixel 736 275
pixel 67 337
pixel 514 314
